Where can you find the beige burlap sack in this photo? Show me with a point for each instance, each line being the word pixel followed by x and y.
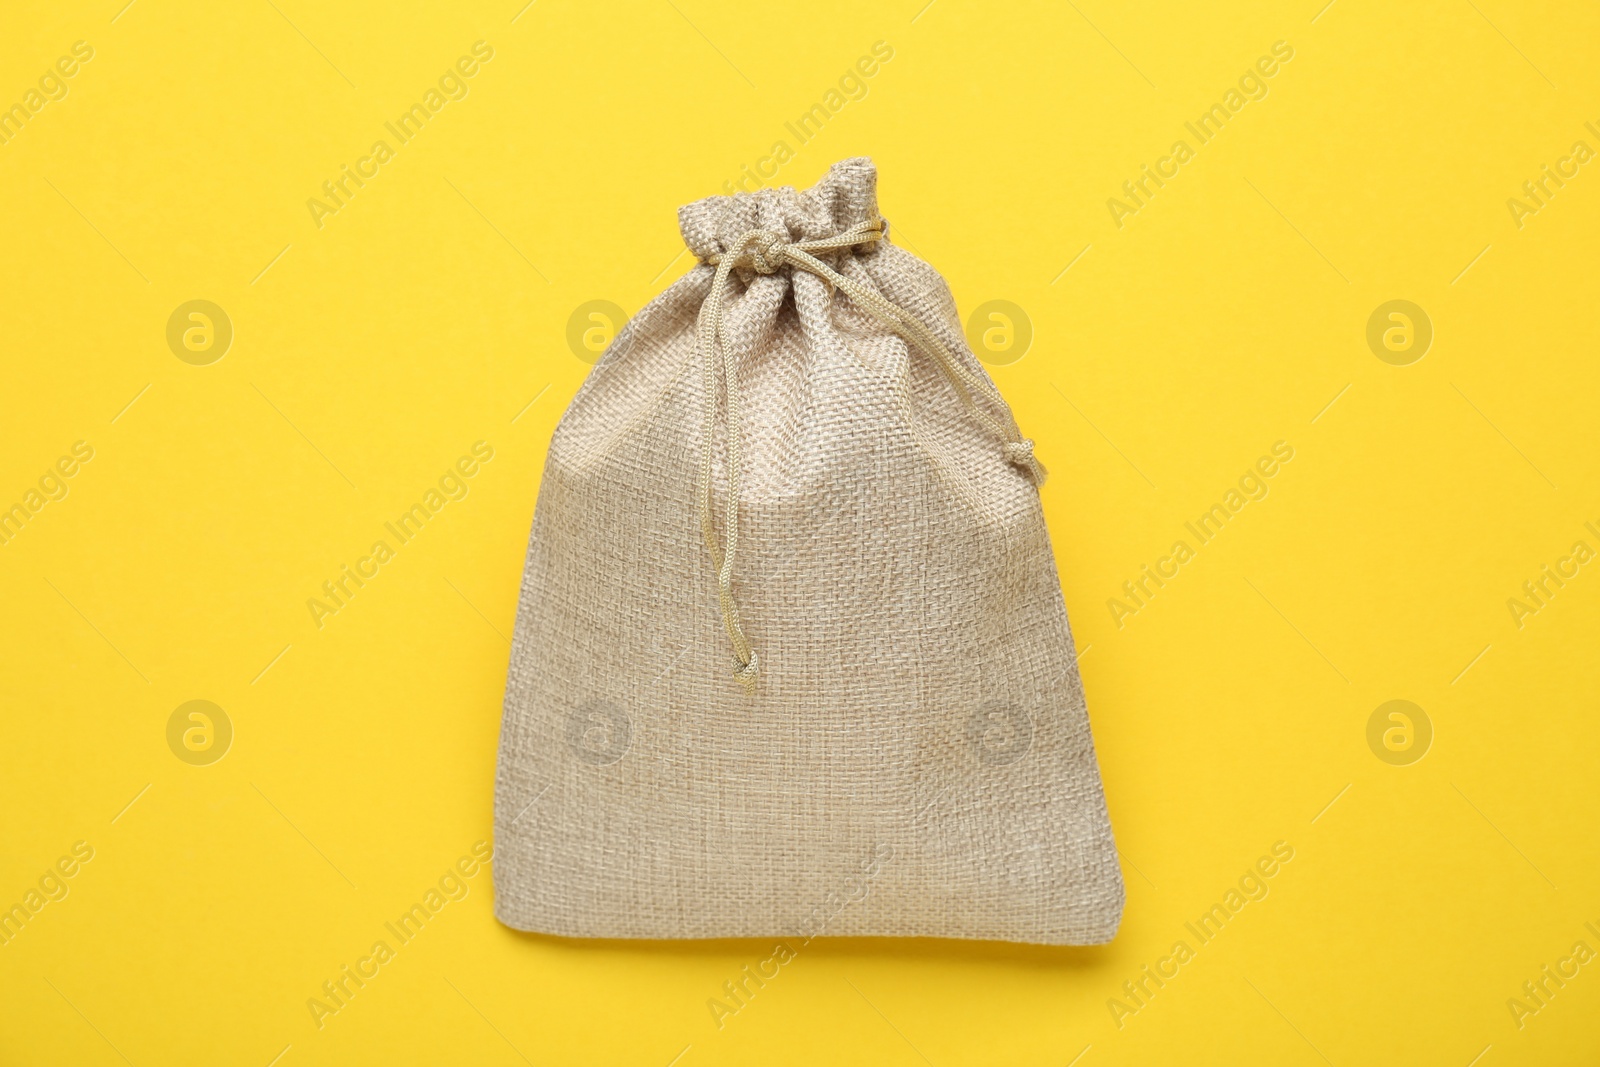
pixel 791 656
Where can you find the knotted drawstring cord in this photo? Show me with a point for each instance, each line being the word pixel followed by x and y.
pixel 764 252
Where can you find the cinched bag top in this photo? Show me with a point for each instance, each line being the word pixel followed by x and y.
pixel 764 249
pixel 846 197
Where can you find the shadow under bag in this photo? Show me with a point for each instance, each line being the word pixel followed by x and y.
pixel 791 656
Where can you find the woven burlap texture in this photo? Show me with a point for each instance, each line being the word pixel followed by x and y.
pixel 915 758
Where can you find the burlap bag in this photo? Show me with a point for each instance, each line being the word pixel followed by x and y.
pixel 847 705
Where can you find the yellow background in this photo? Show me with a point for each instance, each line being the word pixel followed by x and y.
pixel 371 352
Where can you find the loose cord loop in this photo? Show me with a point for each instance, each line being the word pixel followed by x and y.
pixel 765 252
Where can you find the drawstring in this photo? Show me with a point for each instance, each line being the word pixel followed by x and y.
pixel 764 252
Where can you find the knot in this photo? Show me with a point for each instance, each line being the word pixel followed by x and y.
pixel 1019 453
pixel 766 251
pixel 746 672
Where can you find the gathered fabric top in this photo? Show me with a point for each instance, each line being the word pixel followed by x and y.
pixel 846 197
pixel 800 227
